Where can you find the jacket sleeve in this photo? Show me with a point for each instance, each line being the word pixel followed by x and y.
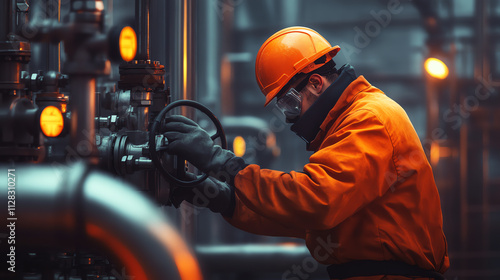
pixel 246 219
pixel 353 167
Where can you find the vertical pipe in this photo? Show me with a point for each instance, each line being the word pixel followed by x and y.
pixel 53 63
pixel 175 48
pixel 486 202
pixel 13 16
pixel 481 65
pixel 188 84
pixel 59 43
pixel 226 69
pixel 158 31
pixel 182 78
pixel 4 19
pixel 208 59
pixel 482 72
pixel 188 53
pixel 15 54
pixel 142 21
pixel 464 205
pixel 82 106
pixel 182 51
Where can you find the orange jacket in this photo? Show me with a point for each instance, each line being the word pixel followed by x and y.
pixel 368 192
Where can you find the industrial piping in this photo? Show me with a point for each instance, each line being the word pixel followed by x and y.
pixel 60 206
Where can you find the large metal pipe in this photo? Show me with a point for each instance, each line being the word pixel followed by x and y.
pixel 63 204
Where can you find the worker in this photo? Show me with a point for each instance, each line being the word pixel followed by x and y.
pixel 366 203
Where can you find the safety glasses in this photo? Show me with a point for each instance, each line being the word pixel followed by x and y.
pixel 290 103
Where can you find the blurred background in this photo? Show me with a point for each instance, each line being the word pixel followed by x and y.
pixel 455 112
pixel 209 47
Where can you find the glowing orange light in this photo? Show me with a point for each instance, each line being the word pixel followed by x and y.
pixel 239 146
pixel 271 140
pixel 51 121
pixel 434 153
pixel 121 251
pixel 436 68
pixel 289 244
pixel 63 108
pixel 186 263
pixel 128 43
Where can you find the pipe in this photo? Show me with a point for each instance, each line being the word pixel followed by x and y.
pixel 13 16
pixel 181 52
pixel 5 19
pixel 56 204
pixel 142 21
pixel 268 258
pixel 82 106
pixel 54 50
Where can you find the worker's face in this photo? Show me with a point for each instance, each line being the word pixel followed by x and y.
pixel 295 103
pixel 308 98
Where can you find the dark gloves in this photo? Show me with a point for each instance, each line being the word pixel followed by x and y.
pixel 189 141
pixel 211 193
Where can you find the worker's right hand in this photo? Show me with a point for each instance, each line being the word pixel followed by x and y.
pixel 211 193
pixel 189 141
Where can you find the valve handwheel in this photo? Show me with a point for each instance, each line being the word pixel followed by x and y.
pixel 155 151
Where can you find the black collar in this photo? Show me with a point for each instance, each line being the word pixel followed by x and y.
pixel 307 127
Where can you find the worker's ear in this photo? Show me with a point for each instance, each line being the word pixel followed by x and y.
pixel 315 84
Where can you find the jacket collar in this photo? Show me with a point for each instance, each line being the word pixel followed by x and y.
pixel 308 126
pixel 345 100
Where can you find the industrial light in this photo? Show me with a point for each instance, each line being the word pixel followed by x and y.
pixel 239 146
pixel 436 68
pixel 128 43
pixel 51 121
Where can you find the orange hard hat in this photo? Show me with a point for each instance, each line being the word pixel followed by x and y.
pixel 286 53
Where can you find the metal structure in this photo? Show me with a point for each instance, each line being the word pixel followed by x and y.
pixel 74 207
pixel 58 53
pixel 102 130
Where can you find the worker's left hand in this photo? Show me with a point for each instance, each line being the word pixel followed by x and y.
pixel 189 141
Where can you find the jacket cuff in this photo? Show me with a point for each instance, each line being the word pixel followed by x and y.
pixel 228 171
